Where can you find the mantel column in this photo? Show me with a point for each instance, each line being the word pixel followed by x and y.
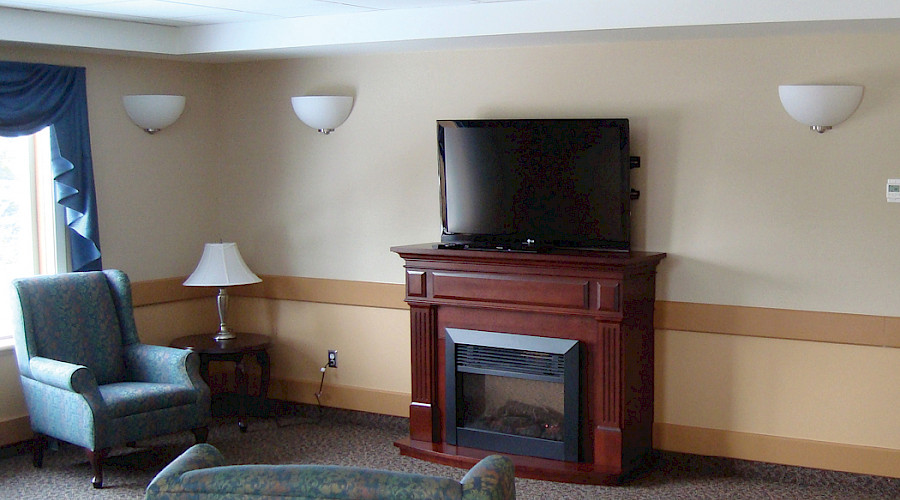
pixel 424 417
pixel 608 397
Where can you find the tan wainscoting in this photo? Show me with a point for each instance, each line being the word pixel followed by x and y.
pixel 15 430
pixel 814 326
pixel 338 396
pixel 776 449
pixel 842 328
pixel 161 291
pixel 349 293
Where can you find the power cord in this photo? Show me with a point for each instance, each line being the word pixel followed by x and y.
pixel 321 384
pixel 318 395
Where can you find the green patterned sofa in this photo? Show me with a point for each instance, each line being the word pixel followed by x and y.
pixel 200 473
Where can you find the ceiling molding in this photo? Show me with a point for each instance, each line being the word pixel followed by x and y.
pixel 471 25
pixel 43 28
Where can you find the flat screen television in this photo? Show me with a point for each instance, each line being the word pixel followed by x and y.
pixel 535 185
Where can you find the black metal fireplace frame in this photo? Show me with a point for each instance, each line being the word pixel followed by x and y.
pixel 569 375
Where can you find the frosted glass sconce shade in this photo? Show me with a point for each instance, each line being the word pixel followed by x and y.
pixel 820 106
pixel 153 113
pixel 221 266
pixel 322 112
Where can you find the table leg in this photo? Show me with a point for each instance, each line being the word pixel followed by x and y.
pixel 262 358
pixel 204 368
pixel 240 378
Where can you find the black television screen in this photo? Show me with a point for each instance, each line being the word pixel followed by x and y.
pixel 535 184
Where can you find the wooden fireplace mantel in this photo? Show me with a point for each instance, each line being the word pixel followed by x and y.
pixel 604 300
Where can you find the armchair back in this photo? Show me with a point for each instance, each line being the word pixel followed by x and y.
pixel 77 318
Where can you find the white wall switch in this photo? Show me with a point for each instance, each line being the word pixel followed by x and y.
pixel 893 190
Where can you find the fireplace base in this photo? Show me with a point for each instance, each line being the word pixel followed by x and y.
pixel 526 467
pixel 603 300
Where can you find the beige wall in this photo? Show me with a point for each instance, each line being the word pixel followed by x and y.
pixel 156 195
pixel 752 208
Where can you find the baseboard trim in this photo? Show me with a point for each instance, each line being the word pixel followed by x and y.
pixel 778 450
pixel 667 437
pixel 339 396
pixel 15 430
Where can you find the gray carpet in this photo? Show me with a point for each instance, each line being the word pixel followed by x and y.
pixel 304 435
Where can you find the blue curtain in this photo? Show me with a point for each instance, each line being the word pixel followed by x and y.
pixel 34 96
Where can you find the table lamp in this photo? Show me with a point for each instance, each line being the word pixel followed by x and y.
pixel 221 265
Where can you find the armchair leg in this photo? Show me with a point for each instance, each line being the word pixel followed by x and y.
pixel 38 444
pixel 200 434
pixel 96 458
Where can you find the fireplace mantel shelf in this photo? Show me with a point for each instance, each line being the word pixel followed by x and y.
pixel 603 300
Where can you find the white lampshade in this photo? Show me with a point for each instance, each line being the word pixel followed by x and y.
pixel 820 106
pixel 153 113
pixel 322 112
pixel 221 265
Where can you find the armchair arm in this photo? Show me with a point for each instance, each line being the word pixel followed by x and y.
pixel 63 375
pixel 493 478
pixel 199 456
pixel 168 365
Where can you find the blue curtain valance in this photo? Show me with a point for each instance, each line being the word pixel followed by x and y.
pixel 34 96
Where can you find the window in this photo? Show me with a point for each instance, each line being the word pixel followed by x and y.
pixel 32 224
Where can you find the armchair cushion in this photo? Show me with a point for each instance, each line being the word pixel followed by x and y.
pixel 129 398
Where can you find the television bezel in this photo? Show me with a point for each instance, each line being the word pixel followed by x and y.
pixel 500 242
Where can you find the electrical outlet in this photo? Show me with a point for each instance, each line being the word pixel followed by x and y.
pixel 332 358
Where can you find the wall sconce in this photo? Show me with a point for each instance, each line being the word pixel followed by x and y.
pixel 322 112
pixel 820 106
pixel 153 113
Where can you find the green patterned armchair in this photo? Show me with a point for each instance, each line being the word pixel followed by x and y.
pixel 200 473
pixel 86 377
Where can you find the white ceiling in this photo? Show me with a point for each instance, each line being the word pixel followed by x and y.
pixel 198 12
pixel 241 29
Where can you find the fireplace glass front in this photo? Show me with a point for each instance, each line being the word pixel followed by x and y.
pixel 513 393
pixel 512 405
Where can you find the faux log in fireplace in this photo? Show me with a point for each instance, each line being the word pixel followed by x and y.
pixel 601 300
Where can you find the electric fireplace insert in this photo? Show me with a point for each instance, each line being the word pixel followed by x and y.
pixel 512 393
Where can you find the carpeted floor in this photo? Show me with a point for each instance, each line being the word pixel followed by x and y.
pixel 340 437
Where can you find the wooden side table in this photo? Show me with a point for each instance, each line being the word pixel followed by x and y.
pixel 237 351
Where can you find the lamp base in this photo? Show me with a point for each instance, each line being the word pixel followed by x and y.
pixel 224 335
